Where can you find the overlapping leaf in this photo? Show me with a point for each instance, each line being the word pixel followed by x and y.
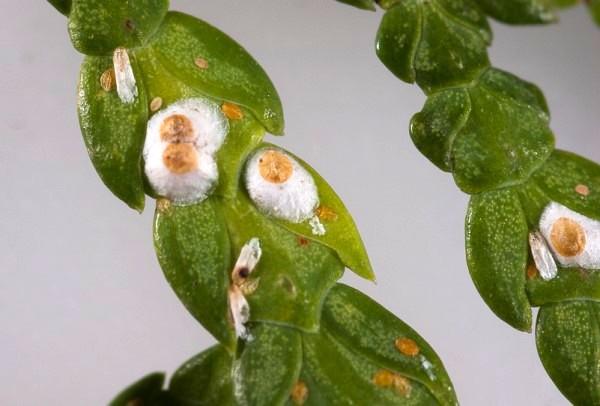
pixel 192 245
pixel 472 132
pixel 97 27
pixel 519 11
pixel 206 59
pixel 568 342
pixel 437 43
pixel 341 233
pixel 113 131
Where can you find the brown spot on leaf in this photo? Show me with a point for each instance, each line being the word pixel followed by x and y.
pixel 532 271
pixel 232 111
pixel 177 128
pixel 583 190
pixel 163 204
pixel 180 158
pixel 201 63
pixel 567 237
pixel 326 213
pixel 107 80
pixel 303 241
pixel 407 346
pixel 299 393
pixel 275 166
pixel 390 380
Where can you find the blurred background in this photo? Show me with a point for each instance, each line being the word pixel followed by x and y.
pixel 84 307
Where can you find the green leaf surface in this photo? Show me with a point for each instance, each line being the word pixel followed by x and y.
pixel 268 367
pixel 366 328
pixel 497 251
pixel 97 27
pixel 362 4
pixel 562 173
pixel 594 6
pixel 568 342
pixel 113 131
pixel 437 43
pixel 472 131
pixel 569 284
pixel 226 72
pixel 63 6
pixel 193 249
pixel 519 11
pixel 336 375
pixel 146 391
pixel 204 380
pixel 292 277
pixel 341 233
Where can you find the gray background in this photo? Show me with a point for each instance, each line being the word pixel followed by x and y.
pixel 84 308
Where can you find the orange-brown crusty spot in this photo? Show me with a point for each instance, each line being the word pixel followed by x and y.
pixel 567 237
pixel 232 111
pixel 583 190
pixel 402 385
pixel 388 379
pixel 303 241
pixel 299 393
pixel 180 158
pixel 326 213
pixel 177 128
pixel 275 166
pixel 107 80
pixel 532 271
pixel 201 63
pixel 163 204
pixel 407 346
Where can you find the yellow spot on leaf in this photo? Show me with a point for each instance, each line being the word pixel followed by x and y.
pixel 299 393
pixel 201 63
pixel 583 190
pixel 232 111
pixel 107 80
pixel 407 346
pixel 326 213
pixel 156 104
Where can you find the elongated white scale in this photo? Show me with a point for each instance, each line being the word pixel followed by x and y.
pixel 573 238
pixel 542 256
pixel 181 141
pixel 124 78
pixel 280 186
pixel 247 260
pixel 239 310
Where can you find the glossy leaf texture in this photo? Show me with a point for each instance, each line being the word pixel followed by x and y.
pixel 341 233
pixel 292 277
pixel 63 6
pixel 113 131
pixel 208 60
pixel 97 27
pixel 192 245
pixel 437 43
pixel 362 332
pixel 568 342
pixel 497 251
pixel 147 391
pixel 362 4
pixel 519 11
pixel 472 132
pixel 353 359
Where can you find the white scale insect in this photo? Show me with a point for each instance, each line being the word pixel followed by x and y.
pixel 568 237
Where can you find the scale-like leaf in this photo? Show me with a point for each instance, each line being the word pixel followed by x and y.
pixel 204 380
pixel 519 11
pixel 205 58
pixel 573 181
pixel 437 43
pixel 113 131
pixel 366 328
pixel 292 277
pixel 268 367
pixel 568 342
pixel 341 233
pixel 193 249
pixel 147 391
pixel 497 252
pixel 97 27
pixel 472 131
